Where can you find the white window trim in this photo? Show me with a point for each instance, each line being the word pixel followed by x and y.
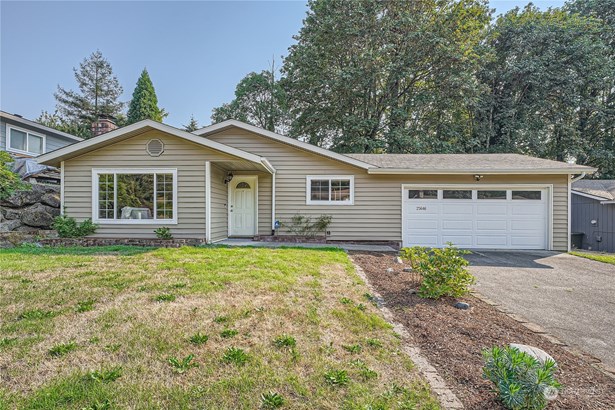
pixel 308 190
pixel 95 175
pixel 28 133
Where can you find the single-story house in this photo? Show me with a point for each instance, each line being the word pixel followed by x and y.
pixel 236 180
pixel 24 138
pixel 593 214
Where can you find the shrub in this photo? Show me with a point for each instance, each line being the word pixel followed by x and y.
pixel 271 400
pixel 68 227
pixel 521 381
pixel 163 232
pixel 443 270
pixel 235 355
pixel 183 365
pixel 306 226
pixel 9 180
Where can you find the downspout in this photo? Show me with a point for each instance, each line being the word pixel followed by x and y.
pixel 575 179
pixel 570 181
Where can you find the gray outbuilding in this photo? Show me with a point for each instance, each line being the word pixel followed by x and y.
pixel 593 215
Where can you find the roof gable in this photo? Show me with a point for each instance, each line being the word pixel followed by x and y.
pixel 211 129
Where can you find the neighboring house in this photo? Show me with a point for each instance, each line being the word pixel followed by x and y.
pixel 593 214
pixel 236 180
pixel 25 138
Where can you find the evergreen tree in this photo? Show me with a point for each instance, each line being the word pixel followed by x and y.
pixel 98 95
pixel 144 103
pixel 193 125
pixel 56 121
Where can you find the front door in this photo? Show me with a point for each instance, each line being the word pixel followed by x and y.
pixel 242 208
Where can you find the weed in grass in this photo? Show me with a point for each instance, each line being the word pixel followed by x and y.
pixel 327 350
pixel 355 348
pixel 285 341
pixel 337 377
pixel 62 349
pixel 35 314
pixel 85 306
pixel 221 319
pixel 345 301
pixel 183 365
pixel 371 298
pixel 165 297
pixel 294 354
pixel 373 343
pixel 271 400
pixel 235 355
pixel 99 405
pixel 228 333
pixel 7 341
pixel 25 281
pixel 179 285
pixel 94 340
pixel 198 338
pixel 106 376
pixel 367 374
pixel 114 347
pixel 361 307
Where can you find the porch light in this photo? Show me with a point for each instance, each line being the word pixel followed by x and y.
pixel 228 178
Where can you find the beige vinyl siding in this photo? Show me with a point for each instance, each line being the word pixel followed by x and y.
pixel 189 160
pixel 219 210
pixel 376 213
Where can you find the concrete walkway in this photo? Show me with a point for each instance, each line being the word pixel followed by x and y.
pixel 346 246
pixel 572 298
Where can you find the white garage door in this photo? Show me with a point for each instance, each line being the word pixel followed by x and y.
pixel 490 218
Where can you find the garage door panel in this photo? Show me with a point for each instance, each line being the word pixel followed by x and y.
pixel 476 223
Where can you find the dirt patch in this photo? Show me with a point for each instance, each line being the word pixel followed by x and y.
pixel 453 339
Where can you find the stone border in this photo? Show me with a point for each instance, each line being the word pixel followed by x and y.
pixel 540 331
pixel 146 242
pixel 446 397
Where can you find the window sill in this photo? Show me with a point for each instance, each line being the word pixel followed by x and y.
pixel 18 151
pixel 135 221
pixel 327 203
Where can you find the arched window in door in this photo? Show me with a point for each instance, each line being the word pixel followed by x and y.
pixel 243 185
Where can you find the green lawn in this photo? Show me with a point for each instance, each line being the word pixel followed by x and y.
pixel 600 257
pixel 206 328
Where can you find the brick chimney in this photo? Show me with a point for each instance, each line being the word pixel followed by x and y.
pixel 103 125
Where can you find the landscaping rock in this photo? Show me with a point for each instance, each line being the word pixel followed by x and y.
pixel 408 270
pixel 12 214
pixel 462 305
pixel 535 352
pixel 11 225
pixel 39 215
pixel 30 196
pixel 390 270
pixel 52 199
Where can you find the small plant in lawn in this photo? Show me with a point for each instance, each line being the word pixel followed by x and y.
pixel 164 232
pixel 371 298
pixel 285 341
pixel 183 365
pixel 165 297
pixel 228 333
pixel 7 341
pixel 99 405
pixel 106 376
pixel 337 377
pixel 444 271
pixel 521 381
pixel 361 307
pixel 85 306
pixel 114 347
pixel 179 285
pixel 36 314
pixel 221 319
pixel 62 349
pixel 355 348
pixel 198 338
pixel 235 355
pixel 345 301
pixel 271 400
pixel 365 372
pixel 373 342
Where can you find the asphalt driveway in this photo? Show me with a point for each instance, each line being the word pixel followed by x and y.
pixel 572 298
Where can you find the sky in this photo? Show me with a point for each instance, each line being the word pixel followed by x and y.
pixel 195 52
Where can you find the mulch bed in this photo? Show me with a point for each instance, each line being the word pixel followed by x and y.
pixel 452 340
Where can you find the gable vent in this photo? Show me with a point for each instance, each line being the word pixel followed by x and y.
pixel 155 147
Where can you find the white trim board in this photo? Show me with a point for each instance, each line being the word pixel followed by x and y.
pixel 208 201
pixel 308 191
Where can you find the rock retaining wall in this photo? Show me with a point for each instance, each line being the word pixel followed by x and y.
pixel 158 243
pixel 31 210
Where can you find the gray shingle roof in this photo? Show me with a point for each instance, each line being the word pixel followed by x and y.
pixel 603 188
pixel 467 162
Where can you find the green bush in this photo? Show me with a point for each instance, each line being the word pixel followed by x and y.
pixel 68 227
pixel 521 381
pixel 306 226
pixel 9 181
pixel 443 270
pixel 163 232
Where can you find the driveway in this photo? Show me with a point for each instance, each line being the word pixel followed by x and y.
pixel 572 298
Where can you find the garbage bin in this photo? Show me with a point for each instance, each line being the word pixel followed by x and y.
pixel 576 240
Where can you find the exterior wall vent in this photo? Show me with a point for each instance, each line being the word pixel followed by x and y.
pixel 155 147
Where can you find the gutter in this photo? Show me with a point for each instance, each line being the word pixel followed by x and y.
pixel 575 179
pixel 542 171
pixel 268 165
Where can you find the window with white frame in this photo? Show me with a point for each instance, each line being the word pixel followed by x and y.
pixel 330 190
pixel 133 196
pixel 24 141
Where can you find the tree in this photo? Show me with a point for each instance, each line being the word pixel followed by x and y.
pixel 371 76
pixel 545 76
pixel 259 100
pixel 98 95
pixel 144 103
pixel 193 125
pixel 57 122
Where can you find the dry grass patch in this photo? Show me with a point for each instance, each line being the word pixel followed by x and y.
pixel 296 345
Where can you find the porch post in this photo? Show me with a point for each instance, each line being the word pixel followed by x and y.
pixel 208 201
pixel 272 203
pixel 62 188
